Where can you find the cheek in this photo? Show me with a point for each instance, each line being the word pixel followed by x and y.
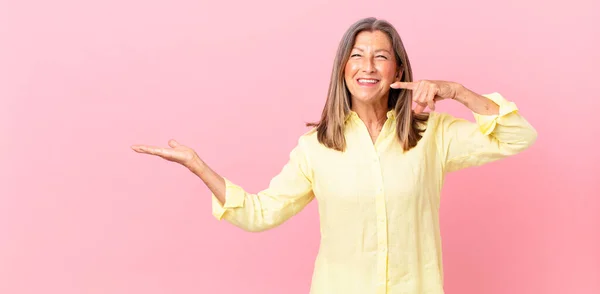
pixel 387 70
pixel 349 71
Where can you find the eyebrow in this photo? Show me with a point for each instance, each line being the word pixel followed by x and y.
pixel 378 50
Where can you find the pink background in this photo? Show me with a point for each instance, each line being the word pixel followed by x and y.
pixel 80 81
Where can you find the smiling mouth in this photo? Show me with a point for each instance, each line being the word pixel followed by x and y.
pixel 367 82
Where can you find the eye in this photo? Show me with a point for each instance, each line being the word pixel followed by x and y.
pixel 382 56
pixel 355 55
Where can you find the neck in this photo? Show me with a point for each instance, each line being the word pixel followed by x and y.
pixel 373 115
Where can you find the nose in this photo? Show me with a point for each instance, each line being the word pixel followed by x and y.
pixel 368 65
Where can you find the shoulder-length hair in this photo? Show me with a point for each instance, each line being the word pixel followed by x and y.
pixel 330 129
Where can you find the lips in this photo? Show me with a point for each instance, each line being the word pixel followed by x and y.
pixel 367 81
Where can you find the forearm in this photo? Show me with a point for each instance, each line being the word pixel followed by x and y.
pixel 475 102
pixel 254 212
pixel 499 131
pixel 212 180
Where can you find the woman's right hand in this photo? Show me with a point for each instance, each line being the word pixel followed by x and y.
pixel 187 157
pixel 178 153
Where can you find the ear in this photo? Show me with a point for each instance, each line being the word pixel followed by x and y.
pixel 399 75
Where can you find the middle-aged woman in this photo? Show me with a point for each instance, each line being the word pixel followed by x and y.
pixel 376 167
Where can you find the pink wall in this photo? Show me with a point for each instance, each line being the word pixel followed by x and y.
pixel 80 82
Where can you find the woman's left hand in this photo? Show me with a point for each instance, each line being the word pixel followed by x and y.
pixel 426 92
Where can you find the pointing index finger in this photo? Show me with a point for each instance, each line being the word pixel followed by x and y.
pixel 403 85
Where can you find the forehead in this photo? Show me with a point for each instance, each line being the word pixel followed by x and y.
pixel 373 40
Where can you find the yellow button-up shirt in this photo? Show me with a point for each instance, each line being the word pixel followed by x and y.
pixel 378 206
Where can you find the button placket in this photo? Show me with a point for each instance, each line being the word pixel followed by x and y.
pixel 382 240
pixel 380 209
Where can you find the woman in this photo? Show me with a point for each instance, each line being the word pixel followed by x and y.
pixel 376 167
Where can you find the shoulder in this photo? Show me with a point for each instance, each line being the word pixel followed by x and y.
pixel 436 121
pixel 303 148
pixel 439 121
pixel 439 117
pixel 308 139
pixel 441 124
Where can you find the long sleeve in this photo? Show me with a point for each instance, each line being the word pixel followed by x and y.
pixel 287 194
pixel 492 137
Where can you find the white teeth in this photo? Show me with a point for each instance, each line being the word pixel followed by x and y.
pixel 367 81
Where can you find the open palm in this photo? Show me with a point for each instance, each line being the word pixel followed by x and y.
pixel 177 153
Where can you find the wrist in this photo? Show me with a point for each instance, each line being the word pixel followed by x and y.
pixel 463 95
pixel 196 165
pixel 459 91
pixel 475 102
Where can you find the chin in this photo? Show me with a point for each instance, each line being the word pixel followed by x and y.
pixel 365 98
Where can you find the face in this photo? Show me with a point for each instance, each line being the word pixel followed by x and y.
pixel 371 67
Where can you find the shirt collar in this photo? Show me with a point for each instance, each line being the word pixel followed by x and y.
pixel 391 114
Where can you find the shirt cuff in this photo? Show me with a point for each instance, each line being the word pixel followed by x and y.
pixel 234 198
pixel 487 123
